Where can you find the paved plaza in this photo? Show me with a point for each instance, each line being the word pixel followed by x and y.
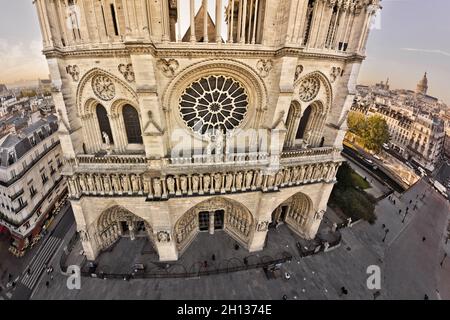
pixel 409 265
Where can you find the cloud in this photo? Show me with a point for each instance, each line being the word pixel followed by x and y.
pixel 21 61
pixel 432 51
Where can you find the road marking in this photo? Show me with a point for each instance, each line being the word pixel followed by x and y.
pixel 37 267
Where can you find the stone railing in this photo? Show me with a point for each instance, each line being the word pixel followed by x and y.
pixel 111 159
pixel 249 157
pixel 223 181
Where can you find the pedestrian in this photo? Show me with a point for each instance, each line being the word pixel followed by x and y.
pixel 423 239
pixel 28 271
pixel 47 284
pixel 213 257
pixel 344 290
pixel 51 277
pixel 205 264
pixel 426 297
pixel 284 297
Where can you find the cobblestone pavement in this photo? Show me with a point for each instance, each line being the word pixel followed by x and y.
pixel 410 266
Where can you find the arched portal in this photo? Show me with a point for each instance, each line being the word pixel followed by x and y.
pixel 132 125
pixel 117 222
pixel 296 212
pixel 312 123
pixel 213 215
pixel 103 122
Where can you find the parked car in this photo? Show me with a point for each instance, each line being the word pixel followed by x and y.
pixel 376 157
pixel 386 146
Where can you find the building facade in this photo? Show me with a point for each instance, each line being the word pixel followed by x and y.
pixel 30 181
pixel 416 128
pixel 178 117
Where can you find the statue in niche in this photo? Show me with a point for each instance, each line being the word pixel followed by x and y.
pixel 106 183
pixel 287 176
pixel 98 183
pixel 82 183
pixel 125 183
pixel 135 183
pixel 195 183
pixel 218 181
pixel 183 183
pixel 296 174
pixel 239 180
pixel 279 178
pixel 206 181
pixel 91 184
pixel 157 187
pixel 72 187
pixel 171 185
pixel 248 179
pixel 115 183
pixel 259 180
pixel 270 180
pixel 229 181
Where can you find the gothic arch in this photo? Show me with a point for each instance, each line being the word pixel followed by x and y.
pixel 244 74
pixel 84 93
pixel 292 122
pixel 325 94
pixel 297 211
pixel 238 221
pixel 109 225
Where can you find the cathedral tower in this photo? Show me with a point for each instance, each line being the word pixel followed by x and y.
pixel 178 117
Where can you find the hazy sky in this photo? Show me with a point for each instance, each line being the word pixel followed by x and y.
pixel 410 37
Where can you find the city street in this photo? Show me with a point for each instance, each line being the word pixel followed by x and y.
pixel 26 281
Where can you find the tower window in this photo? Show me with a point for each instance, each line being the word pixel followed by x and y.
pixel 132 124
pixel 114 20
pixel 103 123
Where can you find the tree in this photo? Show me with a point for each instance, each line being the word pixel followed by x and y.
pixel 356 123
pixel 375 133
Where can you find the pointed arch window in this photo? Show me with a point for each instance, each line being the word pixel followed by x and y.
pixel 103 122
pixel 303 123
pixel 132 125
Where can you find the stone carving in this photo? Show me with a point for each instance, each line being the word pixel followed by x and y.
pixel 83 185
pixel 106 183
pixel 206 181
pixel 168 66
pixel 135 183
pixel 127 71
pixel 264 66
pixel 125 183
pixel 72 186
pixel 103 87
pixel 171 185
pixel 263 226
pixel 248 179
pixel 217 181
pixel 90 182
pixel 157 187
pixel 183 184
pixel 84 236
pixel 298 71
pixel 163 236
pixel 309 88
pixel 335 72
pixel 74 72
pixel 319 214
pixel 116 183
pixel 195 183
pixel 238 183
pixel 229 181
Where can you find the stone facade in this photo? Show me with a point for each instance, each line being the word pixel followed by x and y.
pixel 168 132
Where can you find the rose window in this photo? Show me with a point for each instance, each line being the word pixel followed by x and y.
pixel 103 87
pixel 309 88
pixel 212 103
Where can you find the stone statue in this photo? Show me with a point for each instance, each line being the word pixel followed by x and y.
pixel 171 185
pixel 295 174
pixel 228 181
pixel 195 182
pixel 125 183
pixel 83 183
pixel 183 183
pixel 220 142
pixel 163 236
pixel 98 183
pixel 115 183
pixel 206 181
pixel 217 181
pixel 248 179
pixel 135 183
pixel 287 176
pixel 238 183
pixel 157 187
pixel 270 180
pixel 90 183
pixel 279 178
pixel 259 180
pixel 302 173
pixel 106 138
pixel 106 183
pixel 309 172
pixel 72 187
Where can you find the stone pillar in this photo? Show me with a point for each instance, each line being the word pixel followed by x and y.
pixel 211 222
pixel 192 16
pixel 131 228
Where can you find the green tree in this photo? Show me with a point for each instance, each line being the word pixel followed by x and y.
pixel 375 133
pixel 356 123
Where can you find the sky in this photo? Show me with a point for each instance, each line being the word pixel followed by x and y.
pixel 409 38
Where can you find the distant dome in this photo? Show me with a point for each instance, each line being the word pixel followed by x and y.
pixel 422 86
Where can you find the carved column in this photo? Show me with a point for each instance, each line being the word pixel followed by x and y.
pixel 211 222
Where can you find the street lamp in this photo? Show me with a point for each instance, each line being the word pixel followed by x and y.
pixel 385 234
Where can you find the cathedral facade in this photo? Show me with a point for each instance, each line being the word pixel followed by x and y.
pixel 180 117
